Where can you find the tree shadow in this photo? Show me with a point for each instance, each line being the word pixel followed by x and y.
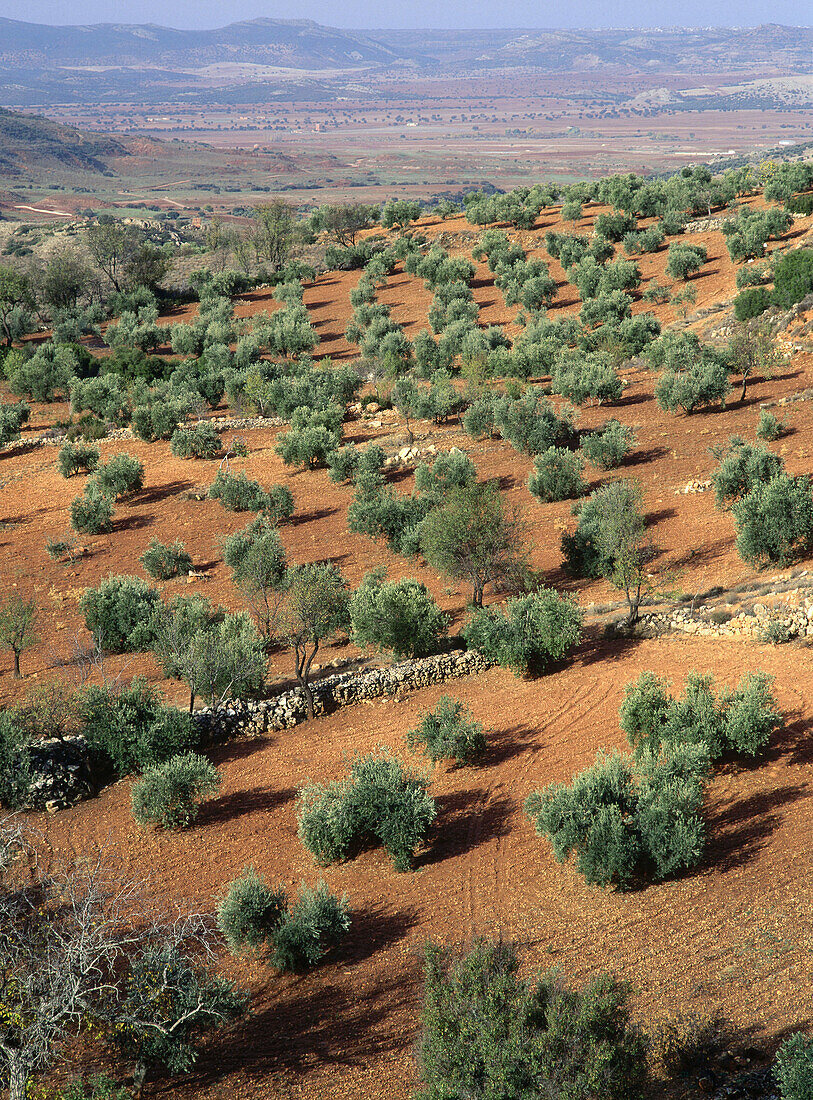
pixel 240 748
pixel 631 399
pixel 739 831
pixel 161 492
pixel 230 806
pixel 505 744
pixel 373 928
pixel 648 454
pixel 465 820
pixel 132 523
pixel 306 517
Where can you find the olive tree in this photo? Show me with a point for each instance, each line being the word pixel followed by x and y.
pixel 314 608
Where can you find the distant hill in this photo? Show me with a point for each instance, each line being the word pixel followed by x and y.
pixel 31 142
pixel 127 62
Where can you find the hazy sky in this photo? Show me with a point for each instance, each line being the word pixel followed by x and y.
pixel 417 13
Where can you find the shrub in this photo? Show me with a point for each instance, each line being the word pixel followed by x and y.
pixel 453 470
pixel 557 475
pixel 449 731
pixel 740 721
pixel 770 427
pixel 774 520
pixel 379 801
pixel 61 549
pixel 12 417
pixel 679 1042
pixel 310 447
pixel 342 463
pixel 118 612
pixel 201 441
pixel 751 302
pixel 163 561
pixel 86 427
pixel 793 277
pixel 400 616
pixel 91 514
pixel 121 475
pixel 794 1067
pixel 75 458
pixel 684 260
pixel 15 762
pixel 774 632
pixel 250 911
pixel 607 447
pixel 585 551
pixel 98 1087
pixel 238 493
pixel 131 729
pixel 533 631
pixel 741 467
pixel 279 505
pixel 489 1033
pixel 751 275
pixel 171 794
pixel 623 819
pixel 316 922
pixel 705 382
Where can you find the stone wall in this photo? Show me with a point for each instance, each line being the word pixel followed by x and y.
pixel 340 690
pixel 62 774
pixel 791 621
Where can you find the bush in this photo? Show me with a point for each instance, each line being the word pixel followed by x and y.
pixel 679 1042
pixel 557 475
pixel 751 302
pixel 769 426
pixel 171 794
pixel 201 441
pixel 98 1087
pixel 91 514
pixel 316 922
pixel 794 1067
pixel 449 731
pixel 15 762
pixel 238 493
pixel 123 474
pixel 742 467
pixel 400 616
pixel 131 729
pixel 12 417
pixel 75 459
pixel 532 631
pixel 740 721
pixel 379 801
pixel 342 463
pixel 607 447
pixel 793 277
pixel 623 820
pixel 487 1033
pixel 118 613
pixel 61 549
pixel 250 911
pixel 163 562
pixel 774 520
pixel 702 384
pixel 279 505
pixel 310 447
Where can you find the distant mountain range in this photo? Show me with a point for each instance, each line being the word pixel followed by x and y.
pixel 109 61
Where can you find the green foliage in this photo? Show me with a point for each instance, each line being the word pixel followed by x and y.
pixel 118 612
pixel 380 801
pixel 623 819
pixel 449 731
pixel 793 277
pixel 238 493
pixel 76 458
pixel 165 561
pixel 751 302
pixel 585 552
pixel 491 1035
pixel 774 520
pixel 769 426
pixel 12 417
pixel 91 514
pixel 342 463
pixel 15 762
pixel 530 423
pixel 400 616
pixel 249 912
pixel 739 721
pixel 557 475
pixel 579 377
pixel 201 441
pixel 607 447
pixel 316 922
pixel 106 396
pixel 43 376
pixel 741 467
pixel 449 471
pixel 121 475
pixel 130 729
pixel 171 794
pixel 751 275
pixel 98 1087
pixel 705 382
pixel 684 260
pixel 794 1067
pixel 532 632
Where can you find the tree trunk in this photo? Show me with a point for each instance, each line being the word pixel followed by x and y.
pixel 139 1076
pixel 191 700
pixel 744 385
pixel 17 1080
pixel 308 690
pixel 17 674
pixel 477 597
